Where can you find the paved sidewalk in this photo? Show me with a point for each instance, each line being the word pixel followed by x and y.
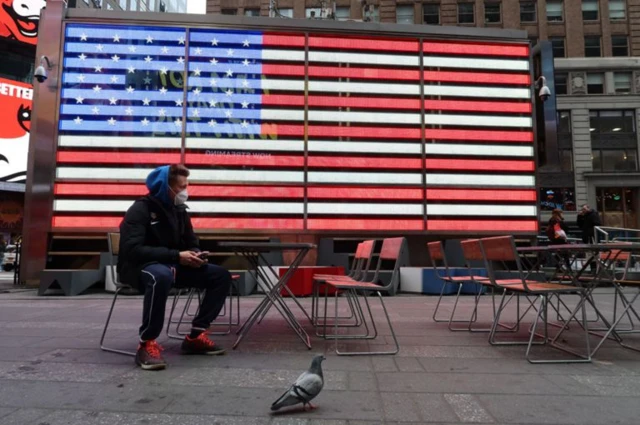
pixel 52 373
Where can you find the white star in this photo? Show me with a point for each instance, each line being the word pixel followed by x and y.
pixel 245 104
pixel 149 39
pixel 245 83
pixel 82 56
pixel 229 73
pixel 196 113
pixel 180 60
pixel 245 43
pixel 214 42
pixel 114 79
pixel 178 102
pixel 111 121
pixel 228 114
pixel 165 50
pixel 98 68
pixel 162 112
pixel 81 78
pixel 147 80
pixel 99 47
pixel 163 90
pixel 145 122
pixel 130 89
pixel 178 122
pixel 244 124
pixel 115 58
pixel 116 38
pixel 213 82
pixel 163 70
pixel 79 99
pixel 229 92
pixel 213 103
pixel 97 88
pixel 230 52
pixel 212 123
pixel 179 81
pixel 95 110
pixel 113 101
pixel 213 61
pixel 197 71
pixel 198 51
pixel 132 49
pixel 83 37
pixel 196 91
pixel 245 62
pixel 132 70
pixel 129 111
pixel 78 120
pixel 148 59
pixel 146 101
pixel 181 40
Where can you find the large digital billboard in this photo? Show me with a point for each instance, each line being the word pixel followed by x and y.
pixel 298 132
pixel 15 110
pixel 19 19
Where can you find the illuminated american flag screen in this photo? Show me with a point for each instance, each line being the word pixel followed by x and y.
pixel 293 131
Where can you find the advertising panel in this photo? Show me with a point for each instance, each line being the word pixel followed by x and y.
pixel 19 19
pixel 15 110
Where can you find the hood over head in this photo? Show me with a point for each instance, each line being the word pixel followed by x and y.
pixel 158 184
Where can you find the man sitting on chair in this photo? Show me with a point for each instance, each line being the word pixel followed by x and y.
pixel 159 250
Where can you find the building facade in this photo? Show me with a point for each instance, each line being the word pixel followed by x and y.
pixel 169 6
pixel 596 45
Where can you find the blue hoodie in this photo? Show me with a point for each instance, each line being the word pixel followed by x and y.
pixel 158 185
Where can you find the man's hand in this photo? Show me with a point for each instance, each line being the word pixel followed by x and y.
pixel 190 259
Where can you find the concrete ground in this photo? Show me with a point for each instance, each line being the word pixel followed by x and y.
pixel 52 373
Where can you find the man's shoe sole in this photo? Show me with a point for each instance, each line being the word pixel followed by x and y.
pixel 205 353
pixel 152 366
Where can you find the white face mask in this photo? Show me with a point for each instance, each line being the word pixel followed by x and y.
pixel 181 197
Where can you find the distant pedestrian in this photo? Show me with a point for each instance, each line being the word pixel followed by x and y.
pixel 556 228
pixel 588 219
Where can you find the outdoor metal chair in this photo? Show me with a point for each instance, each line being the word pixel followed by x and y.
pixel 502 249
pixel 392 250
pixel 113 240
pixel 439 261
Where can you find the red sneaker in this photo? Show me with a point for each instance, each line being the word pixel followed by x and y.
pixel 201 345
pixel 148 356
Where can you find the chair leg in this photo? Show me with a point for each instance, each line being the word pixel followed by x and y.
pixel 106 326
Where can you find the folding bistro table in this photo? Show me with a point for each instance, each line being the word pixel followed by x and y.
pixel 254 253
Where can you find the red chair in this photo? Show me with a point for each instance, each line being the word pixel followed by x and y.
pixel 439 260
pixel 391 250
pixel 502 249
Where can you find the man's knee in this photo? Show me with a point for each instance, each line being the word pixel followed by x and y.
pixel 219 276
pixel 158 277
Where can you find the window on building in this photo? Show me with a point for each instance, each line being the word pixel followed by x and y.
pixel 229 11
pixel 592 46
pixel 404 14
pixel 492 13
pixel 566 159
pixel 533 41
pixel 622 82
pixel 528 12
pixel 466 13
pixel 554 11
pixel 563 198
pixel 595 83
pixel 313 13
pixel 285 12
pixel 615 160
pixel 343 13
pixel 251 12
pixel 431 14
pixel 564 122
pixel 557 44
pixel 122 4
pixel 589 10
pixel 370 13
pixel 617 9
pixel 614 121
pixel 619 45
pixel 561 83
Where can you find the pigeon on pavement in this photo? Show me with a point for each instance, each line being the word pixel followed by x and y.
pixel 306 388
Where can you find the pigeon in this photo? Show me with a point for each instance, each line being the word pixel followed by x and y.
pixel 306 388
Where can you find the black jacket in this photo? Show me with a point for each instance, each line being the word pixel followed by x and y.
pixel 586 222
pixel 153 233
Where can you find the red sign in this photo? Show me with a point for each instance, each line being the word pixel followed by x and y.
pixel 15 110
pixel 19 19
